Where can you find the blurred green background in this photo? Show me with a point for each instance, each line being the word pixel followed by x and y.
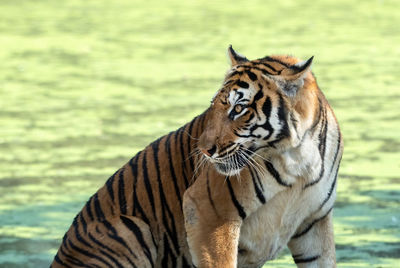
pixel 85 84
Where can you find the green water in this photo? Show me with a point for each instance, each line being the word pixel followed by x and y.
pixel 85 84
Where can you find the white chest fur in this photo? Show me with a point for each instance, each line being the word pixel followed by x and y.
pixel 268 230
pixel 287 210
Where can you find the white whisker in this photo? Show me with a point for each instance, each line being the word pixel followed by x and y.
pixel 193 138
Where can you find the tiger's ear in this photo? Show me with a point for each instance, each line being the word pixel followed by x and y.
pixel 235 58
pixel 293 76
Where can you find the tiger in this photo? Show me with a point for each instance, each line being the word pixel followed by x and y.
pixel 256 171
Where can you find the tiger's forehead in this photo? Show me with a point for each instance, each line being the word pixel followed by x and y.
pixel 236 91
pixel 242 95
pixel 239 84
pixel 245 80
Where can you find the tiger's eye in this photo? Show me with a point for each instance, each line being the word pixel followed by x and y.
pixel 238 108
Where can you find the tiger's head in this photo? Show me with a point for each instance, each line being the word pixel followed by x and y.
pixel 264 104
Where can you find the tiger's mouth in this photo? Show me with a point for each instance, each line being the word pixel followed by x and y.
pixel 234 163
pixel 229 168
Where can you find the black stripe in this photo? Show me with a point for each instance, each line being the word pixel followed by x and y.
pixel 78 235
pixel 136 203
pixel 240 135
pixel 267 72
pixel 322 136
pixel 114 235
pixel 102 245
pixel 183 156
pixel 262 65
pixel 267 58
pixel 133 164
pixel 227 82
pixel 59 261
pixel 221 150
pixel 147 184
pixel 131 225
pixel 190 134
pixel 339 140
pixel 270 67
pixel 203 117
pixel 228 151
pixel 171 231
pixel 111 258
pixel 173 260
pixel 81 239
pixel 259 95
pixel 308 228
pixel 259 180
pixel 97 208
pixel 322 148
pixel 259 193
pixel 199 128
pixel 171 167
pixel 266 109
pixel 330 190
pixel 275 174
pixel 121 192
pixel 72 259
pixel 89 209
pixel 130 262
pixel 122 242
pixel 238 206
pixel 88 254
pixel 232 74
pixel 83 222
pixel 264 71
pixel 109 185
pixel 309 259
pixel 164 260
pixel 242 84
pixel 318 118
pixel 185 263
pixel 251 75
pixel 64 241
pixel 284 132
pixel 282 119
pixel 239 93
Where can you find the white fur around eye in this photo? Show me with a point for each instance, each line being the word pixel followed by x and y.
pixel 240 114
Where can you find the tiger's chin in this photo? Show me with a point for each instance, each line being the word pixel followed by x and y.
pixel 233 164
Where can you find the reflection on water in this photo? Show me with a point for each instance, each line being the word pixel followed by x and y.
pixel 82 89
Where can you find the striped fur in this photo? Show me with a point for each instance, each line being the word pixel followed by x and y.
pixel 135 219
pixel 253 173
pixel 275 146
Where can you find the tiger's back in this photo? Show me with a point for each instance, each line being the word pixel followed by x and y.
pixel 256 171
pixel 135 219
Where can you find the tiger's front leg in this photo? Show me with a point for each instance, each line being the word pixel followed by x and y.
pixel 212 223
pixel 313 245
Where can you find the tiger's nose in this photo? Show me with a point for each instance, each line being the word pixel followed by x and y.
pixel 209 152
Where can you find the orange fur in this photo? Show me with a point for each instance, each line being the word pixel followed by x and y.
pixel 228 189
